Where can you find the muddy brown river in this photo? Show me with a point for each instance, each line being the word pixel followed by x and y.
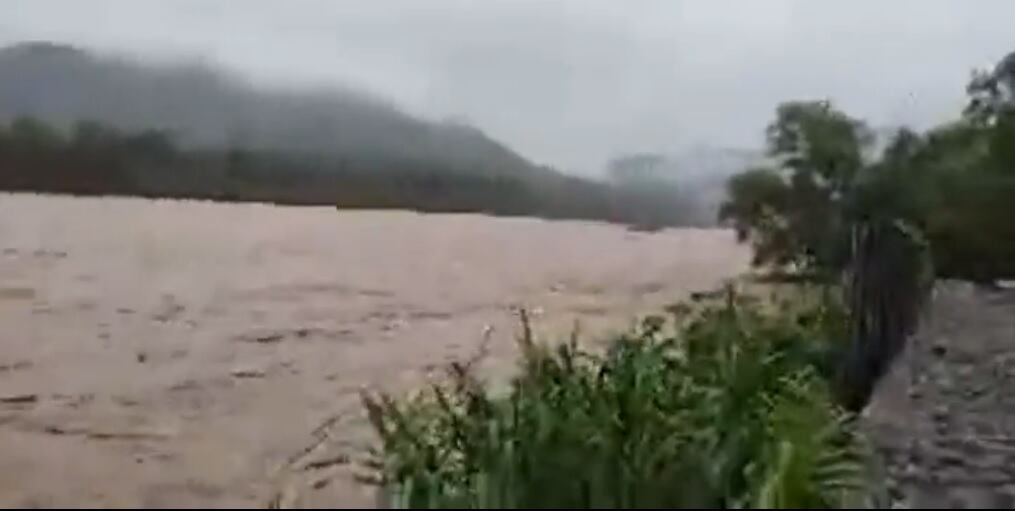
pixel 167 353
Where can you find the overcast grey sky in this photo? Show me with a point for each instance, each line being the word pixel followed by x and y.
pixel 572 82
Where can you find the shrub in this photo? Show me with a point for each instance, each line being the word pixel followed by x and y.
pixel 732 410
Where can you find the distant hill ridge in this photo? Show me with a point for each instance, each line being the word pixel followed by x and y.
pixel 204 106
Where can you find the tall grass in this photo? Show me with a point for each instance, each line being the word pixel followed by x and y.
pixel 734 409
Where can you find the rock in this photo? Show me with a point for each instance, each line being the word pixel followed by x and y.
pixel 975 391
pixel 940 413
pixel 951 459
pixel 945 384
pixel 953 448
pixel 939 348
pixel 911 471
pixel 900 504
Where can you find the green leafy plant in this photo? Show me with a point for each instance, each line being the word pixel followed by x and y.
pixel 733 409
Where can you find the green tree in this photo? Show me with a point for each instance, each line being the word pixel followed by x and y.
pixel 760 201
pixel 956 183
pixel 992 93
pixel 793 211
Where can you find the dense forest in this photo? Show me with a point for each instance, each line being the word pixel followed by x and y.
pixel 96 159
pixel 82 124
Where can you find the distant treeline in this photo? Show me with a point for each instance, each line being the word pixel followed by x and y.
pixel 95 159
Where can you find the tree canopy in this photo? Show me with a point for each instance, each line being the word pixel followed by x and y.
pixel 955 182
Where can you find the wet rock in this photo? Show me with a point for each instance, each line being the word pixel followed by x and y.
pixel 944 384
pixel 939 349
pixel 951 459
pixel 975 392
pixel 911 471
pixel 940 413
pixel 914 392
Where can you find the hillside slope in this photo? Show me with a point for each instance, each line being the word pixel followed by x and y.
pixel 203 106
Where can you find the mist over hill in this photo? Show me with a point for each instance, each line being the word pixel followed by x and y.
pixel 76 122
pixel 695 177
pixel 203 106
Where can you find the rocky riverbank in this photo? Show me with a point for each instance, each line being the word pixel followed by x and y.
pixel 944 419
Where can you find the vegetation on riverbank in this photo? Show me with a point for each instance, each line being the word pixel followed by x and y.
pixel 955 184
pixel 741 405
pixel 731 406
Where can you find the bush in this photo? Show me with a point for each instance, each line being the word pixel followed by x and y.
pixel 734 409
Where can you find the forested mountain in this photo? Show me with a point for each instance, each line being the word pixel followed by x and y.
pixel 75 122
pixel 202 106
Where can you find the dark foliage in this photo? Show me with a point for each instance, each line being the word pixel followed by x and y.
pixel 889 279
pixel 95 159
pixel 955 183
